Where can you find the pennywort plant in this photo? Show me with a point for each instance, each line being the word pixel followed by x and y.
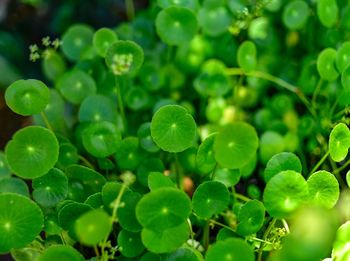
pixel 199 130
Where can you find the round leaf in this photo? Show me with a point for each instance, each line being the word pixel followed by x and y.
pixel 251 218
pixel 339 142
pixel 76 40
pixel 295 14
pixel 210 198
pixel 232 249
pixel 130 244
pixel 102 40
pixel 173 129
pixel 280 162
pixel 27 97
pixel 246 56
pixel 60 253
pixel 284 193
pixel 176 25
pixel 14 185
pixel 32 152
pixel 21 220
pixel 76 85
pixel 323 189
pixel 127 214
pixel 51 188
pixel 235 145
pixel 93 227
pixel 167 240
pixel 124 57
pixel 205 159
pixel 101 139
pixel 163 208
pixel 326 64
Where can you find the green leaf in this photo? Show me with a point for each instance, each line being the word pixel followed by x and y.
pixel 229 177
pixel 129 154
pixel 340 246
pixel 343 57
pixel 246 56
pixel 251 218
pixel 130 244
pixel 157 180
pixel 214 21
pixel 271 143
pixel 326 64
pixel 97 108
pixel 345 81
pixel 60 253
pixel 235 145
pixel 167 240
pixel 93 227
pixel 295 14
pixel 68 155
pixel 184 254
pixel 27 97
pixel 21 221
pixel 232 249
pixel 210 198
pixel 5 171
pixel 124 57
pixel 280 162
pixel 71 212
pixel 176 25
pixel 173 129
pixel 103 39
pixel 323 189
pixel 53 65
pixel 127 214
pixel 14 185
pixel 101 139
pixel 339 142
pixel 212 80
pixel 327 12
pixel 76 85
pixel 205 159
pixel 32 152
pixel 90 179
pixel 51 188
pixel 285 193
pixel 145 138
pixel 147 167
pixel 191 4
pixel 76 40
pixel 110 192
pixel 163 208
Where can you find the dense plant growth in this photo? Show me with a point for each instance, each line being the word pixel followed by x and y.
pixel 200 130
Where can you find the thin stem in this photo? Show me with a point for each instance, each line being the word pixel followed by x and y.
pixel 242 197
pixel 177 172
pixel 260 240
pixel 276 80
pixel 336 171
pixel 191 232
pixel 116 205
pixel 206 235
pixel 86 162
pixel 319 163
pixel 118 81
pixel 46 120
pixel 222 225
pixel 340 169
pixel 316 92
pixel 96 251
pixel 130 9
pixel 214 172
pixel 266 234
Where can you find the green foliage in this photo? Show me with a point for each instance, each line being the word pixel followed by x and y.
pixel 197 130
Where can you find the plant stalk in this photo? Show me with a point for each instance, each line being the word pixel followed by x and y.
pixel 46 120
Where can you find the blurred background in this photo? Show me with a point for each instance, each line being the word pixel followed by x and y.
pixel 26 22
